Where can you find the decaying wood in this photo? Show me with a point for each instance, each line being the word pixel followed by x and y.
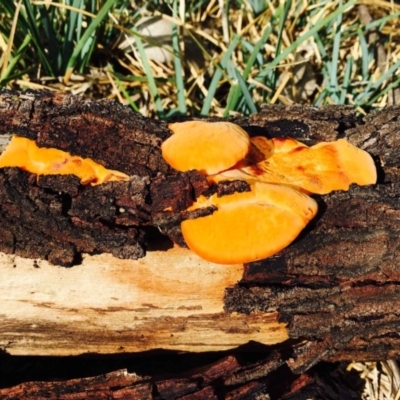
pixel 334 292
pixel 236 376
pixel 225 379
pixel 170 299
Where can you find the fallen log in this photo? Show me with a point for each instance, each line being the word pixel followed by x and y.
pixel 332 295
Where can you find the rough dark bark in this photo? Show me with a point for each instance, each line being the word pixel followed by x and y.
pixel 120 139
pixel 104 131
pixel 56 218
pixel 232 377
pixel 337 286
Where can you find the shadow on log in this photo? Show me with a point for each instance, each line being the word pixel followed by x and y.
pixel 336 289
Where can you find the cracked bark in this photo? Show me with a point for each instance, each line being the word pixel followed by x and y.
pixel 337 286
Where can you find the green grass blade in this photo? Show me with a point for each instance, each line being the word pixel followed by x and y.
pixel 217 76
pixel 230 105
pixel 250 49
pixel 393 85
pixel 36 37
pixel 90 45
pixel 321 46
pixel 321 98
pixel 126 94
pixel 149 74
pixel 246 104
pixel 318 26
pixel 72 28
pixel 47 20
pixel 258 6
pixel 246 93
pixel 235 91
pixel 364 55
pixel 282 21
pixel 179 72
pixel 9 6
pixel 334 63
pixel 13 61
pixel 364 97
pixel 101 15
pixel 324 70
pixel 230 70
pixel 381 22
pixel 346 80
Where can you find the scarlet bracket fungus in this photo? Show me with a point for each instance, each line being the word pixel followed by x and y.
pixel 209 147
pixel 25 154
pixel 281 172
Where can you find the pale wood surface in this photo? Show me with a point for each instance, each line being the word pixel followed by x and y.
pixel 169 299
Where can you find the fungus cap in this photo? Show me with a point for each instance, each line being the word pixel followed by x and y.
pixel 25 154
pixel 209 147
pixel 249 226
pixel 319 169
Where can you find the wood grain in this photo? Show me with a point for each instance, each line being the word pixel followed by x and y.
pixel 168 299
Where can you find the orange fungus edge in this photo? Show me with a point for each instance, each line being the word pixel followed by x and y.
pixel 24 153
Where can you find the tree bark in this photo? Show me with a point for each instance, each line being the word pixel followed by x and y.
pixel 334 292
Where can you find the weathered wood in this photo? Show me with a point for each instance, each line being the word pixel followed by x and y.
pixel 169 299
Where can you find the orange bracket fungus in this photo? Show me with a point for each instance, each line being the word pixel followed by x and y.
pixel 281 173
pixel 249 226
pixel 319 169
pixel 25 154
pixel 204 146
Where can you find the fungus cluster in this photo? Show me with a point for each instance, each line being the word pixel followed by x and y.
pixel 25 154
pixel 281 173
pixel 247 226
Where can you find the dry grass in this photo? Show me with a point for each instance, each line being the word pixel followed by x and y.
pixel 382 379
pixel 204 58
